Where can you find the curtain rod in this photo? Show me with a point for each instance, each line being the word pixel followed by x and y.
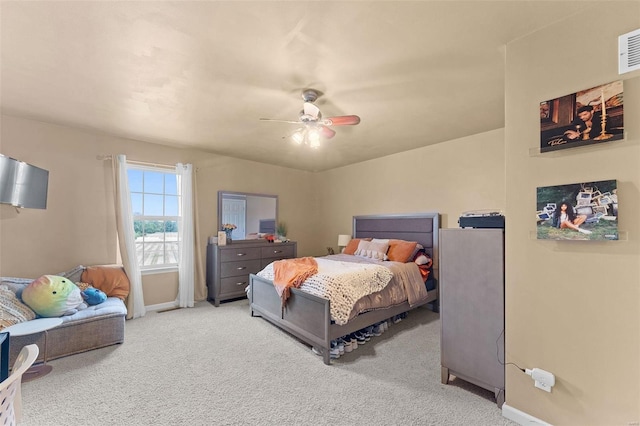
pixel 139 163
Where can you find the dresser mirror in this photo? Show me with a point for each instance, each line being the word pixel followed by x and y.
pixel 253 214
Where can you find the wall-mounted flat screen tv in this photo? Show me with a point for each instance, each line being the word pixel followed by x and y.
pixel 22 184
pixel 578 211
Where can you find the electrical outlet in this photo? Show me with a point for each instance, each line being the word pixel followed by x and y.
pixel 543 386
pixel 542 379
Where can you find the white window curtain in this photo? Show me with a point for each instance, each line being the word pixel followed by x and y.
pixel 187 231
pixel 127 237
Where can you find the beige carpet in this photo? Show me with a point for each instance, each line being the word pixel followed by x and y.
pixel 220 366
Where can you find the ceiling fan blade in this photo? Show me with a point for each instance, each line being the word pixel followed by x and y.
pixel 342 120
pixel 311 110
pixel 280 121
pixel 327 132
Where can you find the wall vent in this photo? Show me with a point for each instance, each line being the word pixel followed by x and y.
pixel 629 52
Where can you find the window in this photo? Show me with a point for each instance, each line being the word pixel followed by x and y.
pixel 155 204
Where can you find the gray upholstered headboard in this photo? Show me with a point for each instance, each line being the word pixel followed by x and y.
pixel 420 227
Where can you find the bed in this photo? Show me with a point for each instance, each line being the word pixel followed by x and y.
pixel 308 317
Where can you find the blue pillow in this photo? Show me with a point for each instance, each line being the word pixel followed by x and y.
pixel 93 296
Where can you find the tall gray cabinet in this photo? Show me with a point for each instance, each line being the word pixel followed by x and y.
pixel 472 307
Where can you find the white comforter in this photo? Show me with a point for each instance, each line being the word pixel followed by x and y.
pixel 343 283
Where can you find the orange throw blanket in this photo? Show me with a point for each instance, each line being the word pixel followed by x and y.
pixel 289 273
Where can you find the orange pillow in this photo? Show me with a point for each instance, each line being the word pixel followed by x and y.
pixel 110 279
pixel 401 251
pixel 352 246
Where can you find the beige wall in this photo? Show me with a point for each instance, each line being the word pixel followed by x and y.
pixel 449 178
pixel 78 226
pixel 159 289
pixel 297 201
pixel 572 308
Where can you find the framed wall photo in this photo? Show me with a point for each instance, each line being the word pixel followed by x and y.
pixel 578 211
pixel 586 117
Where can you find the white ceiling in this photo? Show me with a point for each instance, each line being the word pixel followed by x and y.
pixel 201 74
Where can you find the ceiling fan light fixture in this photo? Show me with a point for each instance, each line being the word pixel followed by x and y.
pixel 313 124
pixel 314 137
pixel 298 136
pixel 314 143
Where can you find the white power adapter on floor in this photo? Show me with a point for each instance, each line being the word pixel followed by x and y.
pixel 543 379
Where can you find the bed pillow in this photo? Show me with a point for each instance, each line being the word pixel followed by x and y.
pixel 419 248
pixel 353 245
pixel 374 249
pixel 111 279
pixel 401 250
pixel 424 262
pixel 423 259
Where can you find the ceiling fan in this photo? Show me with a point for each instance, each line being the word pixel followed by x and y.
pixel 313 125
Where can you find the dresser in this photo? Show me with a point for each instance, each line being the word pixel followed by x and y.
pixel 229 266
pixel 472 307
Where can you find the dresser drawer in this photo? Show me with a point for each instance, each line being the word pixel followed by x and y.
pixel 241 267
pixel 232 254
pixel 234 285
pixel 277 251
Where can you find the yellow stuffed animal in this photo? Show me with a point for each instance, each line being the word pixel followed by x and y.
pixel 53 296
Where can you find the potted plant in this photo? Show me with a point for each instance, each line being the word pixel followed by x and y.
pixel 281 231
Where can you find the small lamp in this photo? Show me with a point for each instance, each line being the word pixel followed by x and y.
pixel 343 241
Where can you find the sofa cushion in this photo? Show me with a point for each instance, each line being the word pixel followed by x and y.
pixel 13 310
pixel 111 279
pixel 111 306
pixel 15 284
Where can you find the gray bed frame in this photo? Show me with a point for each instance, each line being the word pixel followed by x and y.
pixel 308 317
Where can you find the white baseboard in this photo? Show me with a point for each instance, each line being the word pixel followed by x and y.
pixel 521 417
pixel 162 306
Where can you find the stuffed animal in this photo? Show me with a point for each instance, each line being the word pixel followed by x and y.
pixel 53 296
pixel 93 296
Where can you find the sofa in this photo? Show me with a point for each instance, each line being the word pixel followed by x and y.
pixel 90 327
